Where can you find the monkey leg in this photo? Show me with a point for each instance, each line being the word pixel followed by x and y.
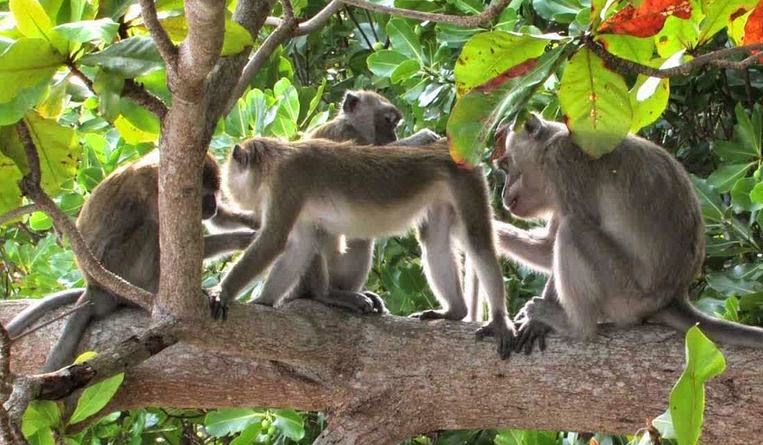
pixel 99 304
pixel 290 266
pixel 220 243
pixel 349 270
pixel 440 266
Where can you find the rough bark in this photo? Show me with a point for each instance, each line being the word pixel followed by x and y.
pixel 382 379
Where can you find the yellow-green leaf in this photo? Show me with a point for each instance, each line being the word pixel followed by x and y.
pixel 236 36
pixel 26 63
pixel 10 195
pixel 33 21
pixel 96 397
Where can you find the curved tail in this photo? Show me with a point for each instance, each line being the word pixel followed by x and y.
pixel 34 311
pixel 681 315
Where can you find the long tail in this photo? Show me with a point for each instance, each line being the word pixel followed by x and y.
pixel 34 311
pixel 681 315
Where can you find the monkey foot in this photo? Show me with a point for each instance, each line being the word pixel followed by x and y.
pixel 365 302
pixel 529 332
pixel 218 307
pixel 503 334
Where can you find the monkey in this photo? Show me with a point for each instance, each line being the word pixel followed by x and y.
pixel 120 224
pixel 624 242
pixel 305 189
pixel 366 118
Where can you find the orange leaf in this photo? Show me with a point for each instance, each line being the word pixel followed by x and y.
pixel 647 20
pixel 515 71
pixel 753 29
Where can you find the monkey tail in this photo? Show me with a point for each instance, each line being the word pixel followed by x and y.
pixel 34 311
pixel 681 315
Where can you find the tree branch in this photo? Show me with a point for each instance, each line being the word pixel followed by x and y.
pixel 16 213
pixel 714 58
pixel 142 96
pixel 30 187
pixel 313 24
pixel 201 48
pixel 432 375
pixel 10 432
pixel 466 21
pixel 164 45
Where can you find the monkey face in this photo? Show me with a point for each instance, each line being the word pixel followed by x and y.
pixel 372 116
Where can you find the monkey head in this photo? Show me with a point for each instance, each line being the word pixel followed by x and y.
pixel 210 186
pixel 246 170
pixel 525 192
pixel 372 116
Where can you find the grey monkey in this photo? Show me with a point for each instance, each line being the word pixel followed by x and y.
pixel 306 189
pixel 624 242
pixel 120 224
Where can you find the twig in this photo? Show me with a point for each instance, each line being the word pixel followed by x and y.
pixel 360 30
pixel 714 58
pixel 9 432
pixel 164 45
pixel 142 96
pixel 52 320
pixel 466 21
pixel 15 213
pixel 30 187
pixel 312 24
pixel 76 71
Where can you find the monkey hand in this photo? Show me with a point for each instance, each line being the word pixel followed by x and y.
pixel 531 329
pixel 438 314
pixel 218 304
pixel 502 329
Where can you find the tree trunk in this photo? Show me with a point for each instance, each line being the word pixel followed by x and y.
pixel 383 379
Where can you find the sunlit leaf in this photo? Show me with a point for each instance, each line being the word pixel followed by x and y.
pixel 53 105
pixel 103 30
pixel 248 436
pixel 40 414
pixel 95 397
pixel 11 112
pixel 718 15
pixel 384 62
pixel 647 110
pixel 404 71
pixel 235 40
pixel 741 195
pixel 27 63
pixel 647 20
pixel 32 21
pixel 632 48
pixel 10 195
pixel 129 58
pixel 753 28
pixel 404 39
pixel 595 104
pixel 290 423
pixel 223 422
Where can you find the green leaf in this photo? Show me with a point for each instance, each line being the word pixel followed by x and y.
pixel 235 40
pixel 648 103
pixel 39 415
pixel 756 194
pixel 595 103
pixel 664 425
pixel 384 62
pixel 10 195
pixel 560 11
pixel 42 437
pixel 727 284
pixel 11 112
pixel 27 63
pixel 676 35
pixel 494 54
pixel 404 39
pixel 290 423
pixel 741 197
pixel 108 86
pixel 749 131
pixel 709 200
pixel 32 21
pixel 53 105
pixel 141 118
pixel 129 58
pixel 718 13
pixel 726 176
pixel 95 397
pixel 223 422
pixel 628 47
pixel 86 31
pixel 405 71
pixel 687 399
pixel 248 436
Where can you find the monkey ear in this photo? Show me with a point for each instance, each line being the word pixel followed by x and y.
pixel 534 126
pixel 240 155
pixel 350 102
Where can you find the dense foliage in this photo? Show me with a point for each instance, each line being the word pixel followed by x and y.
pixel 64 65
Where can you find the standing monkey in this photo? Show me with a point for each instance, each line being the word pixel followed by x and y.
pixel 120 224
pixel 625 239
pixel 304 190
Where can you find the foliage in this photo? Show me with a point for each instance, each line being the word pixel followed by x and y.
pixel 64 65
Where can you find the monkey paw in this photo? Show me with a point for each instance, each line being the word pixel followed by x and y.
pixel 503 332
pixel 218 306
pixel 531 331
pixel 378 303
pixel 438 314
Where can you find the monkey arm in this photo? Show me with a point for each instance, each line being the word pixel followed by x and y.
pixel 229 218
pixel 532 250
pixel 421 137
pixel 220 243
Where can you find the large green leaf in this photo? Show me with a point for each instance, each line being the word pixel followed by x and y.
pixel 95 397
pixel 492 55
pixel 741 195
pixel 10 195
pixel 104 30
pixel 405 71
pixel 595 103
pixel 25 64
pixel 235 40
pixel 223 422
pixel 384 62
pixel 676 34
pixel 129 58
pixel 560 11
pixel 11 112
pixel 629 47
pixel 56 145
pixel 709 200
pixel 33 21
pixel 687 399
pixel 39 415
pixel 718 14
pixel 290 423
pixel 724 178
pixel 404 39
pixel 248 436
pixel 648 102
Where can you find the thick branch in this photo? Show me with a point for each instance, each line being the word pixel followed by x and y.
pixel 16 213
pixel 30 186
pixel 432 375
pixel 201 48
pixel 468 21
pixel 717 58
pixel 164 45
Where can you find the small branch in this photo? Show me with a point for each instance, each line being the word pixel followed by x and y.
pixel 468 21
pixel 141 96
pixel 76 71
pixel 164 45
pixel 15 213
pixel 52 320
pixel 9 430
pixel 714 58
pixel 314 23
pixel 30 187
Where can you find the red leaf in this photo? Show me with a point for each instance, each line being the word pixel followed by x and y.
pixel 753 29
pixel 515 71
pixel 647 20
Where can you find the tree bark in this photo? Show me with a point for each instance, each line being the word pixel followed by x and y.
pixel 384 379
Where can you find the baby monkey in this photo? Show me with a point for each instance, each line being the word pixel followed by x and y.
pixel 624 242
pixel 307 189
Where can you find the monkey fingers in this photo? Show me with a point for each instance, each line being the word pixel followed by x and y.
pixel 379 306
pixel 531 331
pixel 504 336
pixel 438 314
pixel 358 302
